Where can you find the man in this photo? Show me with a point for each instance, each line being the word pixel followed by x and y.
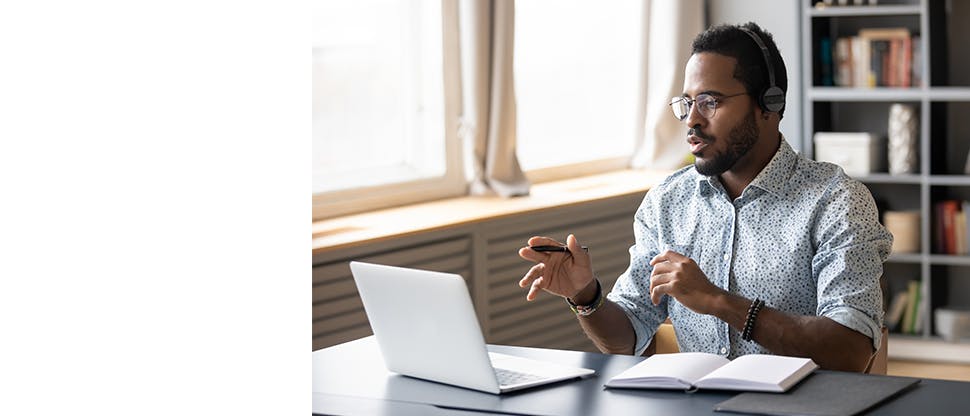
pixel 753 249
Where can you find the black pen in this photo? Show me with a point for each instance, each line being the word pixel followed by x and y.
pixel 561 249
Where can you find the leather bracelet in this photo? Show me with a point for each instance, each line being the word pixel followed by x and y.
pixel 586 310
pixel 750 318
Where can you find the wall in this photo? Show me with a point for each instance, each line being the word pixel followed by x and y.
pixel 781 19
pixel 485 253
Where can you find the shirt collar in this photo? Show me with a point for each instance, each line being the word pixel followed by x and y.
pixel 772 178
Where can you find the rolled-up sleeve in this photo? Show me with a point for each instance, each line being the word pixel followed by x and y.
pixel 852 246
pixel 633 286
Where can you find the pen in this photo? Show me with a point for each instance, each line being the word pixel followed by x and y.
pixel 542 249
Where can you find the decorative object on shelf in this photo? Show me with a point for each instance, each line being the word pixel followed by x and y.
pixel 904 226
pixel 859 154
pixel 903 126
pixel 952 324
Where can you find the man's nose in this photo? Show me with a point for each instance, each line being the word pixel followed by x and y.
pixel 694 117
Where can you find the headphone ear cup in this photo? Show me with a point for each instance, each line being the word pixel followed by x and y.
pixel 773 99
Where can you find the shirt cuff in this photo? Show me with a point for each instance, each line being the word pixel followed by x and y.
pixel 639 329
pixel 857 321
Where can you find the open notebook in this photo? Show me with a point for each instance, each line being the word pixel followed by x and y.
pixel 426 327
pixel 690 370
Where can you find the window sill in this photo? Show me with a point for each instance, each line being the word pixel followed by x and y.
pixel 370 227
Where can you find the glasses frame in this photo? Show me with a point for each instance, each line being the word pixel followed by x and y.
pixel 716 99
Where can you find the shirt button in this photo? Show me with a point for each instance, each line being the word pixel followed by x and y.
pixel 723 350
pixel 726 256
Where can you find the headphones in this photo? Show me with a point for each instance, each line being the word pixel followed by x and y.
pixel 772 98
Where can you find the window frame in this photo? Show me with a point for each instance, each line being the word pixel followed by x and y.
pixel 452 183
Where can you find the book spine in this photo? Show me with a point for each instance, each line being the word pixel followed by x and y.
pixel 910 315
pixel 907 65
pixel 949 231
pixel 825 57
pixel 843 62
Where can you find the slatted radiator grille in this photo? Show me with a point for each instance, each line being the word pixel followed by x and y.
pixel 338 315
pixel 547 322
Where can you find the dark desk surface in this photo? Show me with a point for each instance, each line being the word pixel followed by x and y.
pixel 351 379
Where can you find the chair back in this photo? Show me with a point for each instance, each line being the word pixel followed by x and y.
pixel 666 339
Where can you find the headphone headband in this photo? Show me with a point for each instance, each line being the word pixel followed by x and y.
pixel 773 98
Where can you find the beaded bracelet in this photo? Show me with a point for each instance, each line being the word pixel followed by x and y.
pixel 586 310
pixel 749 319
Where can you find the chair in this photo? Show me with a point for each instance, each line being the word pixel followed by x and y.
pixel 879 361
pixel 665 341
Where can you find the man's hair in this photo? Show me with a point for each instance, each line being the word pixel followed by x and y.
pixel 751 70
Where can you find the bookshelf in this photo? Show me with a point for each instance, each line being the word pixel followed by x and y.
pixel 941 99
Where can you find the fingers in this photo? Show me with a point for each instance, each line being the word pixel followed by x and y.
pixel 656 280
pixel 533 273
pixel 576 249
pixel 658 291
pixel 543 241
pixel 667 255
pixel 537 285
pixel 532 255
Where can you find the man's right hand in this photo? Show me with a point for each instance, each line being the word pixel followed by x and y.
pixel 569 275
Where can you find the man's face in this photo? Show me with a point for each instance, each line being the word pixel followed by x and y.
pixel 718 143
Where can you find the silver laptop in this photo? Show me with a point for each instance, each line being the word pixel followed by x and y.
pixel 426 327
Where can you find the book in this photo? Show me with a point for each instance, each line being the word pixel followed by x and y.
pixel 690 370
pixel 894 315
pixel 843 63
pixel 909 317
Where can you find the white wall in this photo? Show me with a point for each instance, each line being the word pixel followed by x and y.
pixel 783 20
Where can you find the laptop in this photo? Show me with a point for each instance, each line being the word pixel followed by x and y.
pixel 425 326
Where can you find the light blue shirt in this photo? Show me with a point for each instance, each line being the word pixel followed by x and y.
pixel 803 237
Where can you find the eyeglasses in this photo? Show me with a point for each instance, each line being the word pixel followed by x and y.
pixel 706 105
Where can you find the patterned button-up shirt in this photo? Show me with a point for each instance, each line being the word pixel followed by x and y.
pixel 803 237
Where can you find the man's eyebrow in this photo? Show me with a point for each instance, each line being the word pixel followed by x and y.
pixel 714 93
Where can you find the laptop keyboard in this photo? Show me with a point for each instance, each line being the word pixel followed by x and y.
pixel 509 377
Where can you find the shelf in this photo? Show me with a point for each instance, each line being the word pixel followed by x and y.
pixel 912 179
pixel 911 347
pixel 905 258
pixel 848 11
pixel 950 180
pixel 865 94
pixel 888 94
pixel 950 259
pixel 949 93
pixel 941 141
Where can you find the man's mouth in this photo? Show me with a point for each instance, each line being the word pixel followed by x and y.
pixel 696 144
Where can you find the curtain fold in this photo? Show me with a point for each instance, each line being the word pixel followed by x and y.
pixel 488 124
pixel 671 26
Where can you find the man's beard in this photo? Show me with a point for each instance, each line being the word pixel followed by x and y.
pixel 740 140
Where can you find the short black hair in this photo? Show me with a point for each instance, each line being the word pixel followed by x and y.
pixel 751 70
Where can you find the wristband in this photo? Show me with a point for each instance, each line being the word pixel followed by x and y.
pixel 586 310
pixel 750 318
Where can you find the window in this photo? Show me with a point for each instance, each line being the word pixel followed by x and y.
pixel 578 85
pixel 379 106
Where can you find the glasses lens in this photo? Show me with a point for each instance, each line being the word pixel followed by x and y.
pixel 680 107
pixel 706 105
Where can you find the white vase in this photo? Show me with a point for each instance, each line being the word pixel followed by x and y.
pixel 903 126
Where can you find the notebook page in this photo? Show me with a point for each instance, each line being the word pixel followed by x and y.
pixel 757 370
pixel 685 366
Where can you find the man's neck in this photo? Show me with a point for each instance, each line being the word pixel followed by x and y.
pixel 749 166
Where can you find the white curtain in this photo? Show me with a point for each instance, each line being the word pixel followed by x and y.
pixel 487 128
pixel 488 123
pixel 671 26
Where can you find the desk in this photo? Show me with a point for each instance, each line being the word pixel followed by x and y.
pixel 350 378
